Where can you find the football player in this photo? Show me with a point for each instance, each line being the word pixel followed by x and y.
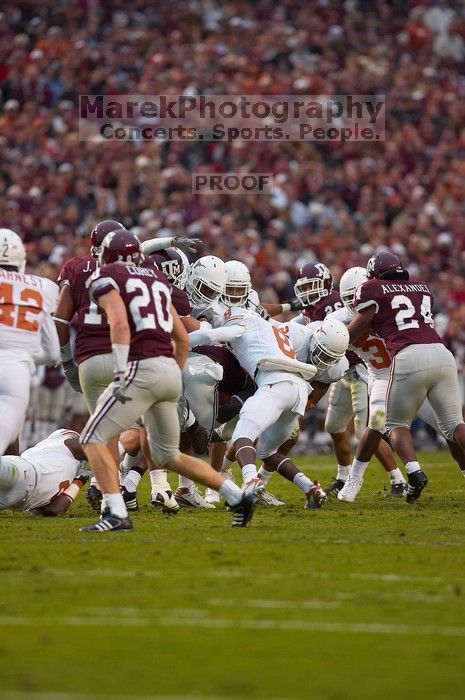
pixel 376 359
pixel 46 478
pixel 27 333
pixel 268 417
pixel 314 290
pixel 422 367
pixel 147 379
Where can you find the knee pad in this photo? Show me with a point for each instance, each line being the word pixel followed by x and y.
pixel 378 421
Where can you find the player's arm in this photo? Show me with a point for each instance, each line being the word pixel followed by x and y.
pixel 319 390
pixel 62 317
pixel 180 339
pixel 361 323
pixel 62 501
pixel 278 309
pixel 207 336
pixel 63 314
pixel 187 245
pixel 190 323
pixel 49 353
pixel 120 334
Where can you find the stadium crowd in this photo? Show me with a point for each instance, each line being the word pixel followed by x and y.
pixel 337 203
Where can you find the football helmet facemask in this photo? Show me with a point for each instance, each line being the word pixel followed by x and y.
pixel 329 343
pixel 314 282
pixel 206 280
pixel 238 284
pixel 349 283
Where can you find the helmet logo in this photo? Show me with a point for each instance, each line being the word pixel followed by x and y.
pixel 323 270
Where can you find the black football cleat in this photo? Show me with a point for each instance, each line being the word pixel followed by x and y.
pixel 94 497
pixel 416 483
pixel 397 490
pixel 130 499
pixel 109 522
pixel 243 512
pixel 334 488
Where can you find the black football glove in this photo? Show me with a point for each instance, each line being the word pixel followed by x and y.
pixel 296 305
pixel 187 245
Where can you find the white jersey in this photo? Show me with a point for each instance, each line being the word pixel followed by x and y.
pixel 25 300
pixel 213 313
pixel 259 340
pixel 370 348
pixel 55 466
pixel 301 339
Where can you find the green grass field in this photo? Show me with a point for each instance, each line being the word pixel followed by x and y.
pixel 354 601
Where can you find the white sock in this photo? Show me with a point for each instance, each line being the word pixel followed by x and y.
pixel 128 463
pixel 396 476
pixel 159 480
pixel 264 475
pixel 302 482
pixel 9 474
pixel 411 467
pixel 121 451
pixel 358 469
pixel 231 493
pixel 93 482
pixel 249 471
pixel 131 481
pixel 342 472
pixel 185 483
pixel 116 504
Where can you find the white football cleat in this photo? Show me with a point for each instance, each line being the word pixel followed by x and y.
pixel 191 498
pixel 265 498
pixel 254 486
pixel 350 489
pixel 212 496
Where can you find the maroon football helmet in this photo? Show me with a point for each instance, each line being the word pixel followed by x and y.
pixel 99 232
pixel 314 282
pixel 120 246
pixel 174 264
pixel 386 265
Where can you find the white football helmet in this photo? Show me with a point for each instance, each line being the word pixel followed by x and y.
pixel 329 343
pixel 350 281
pixel 12 252
pixel 238 284
pixel 206 280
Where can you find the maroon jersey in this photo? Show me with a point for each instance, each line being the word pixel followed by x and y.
pixel 322 308
pixel 402 312
pixel 180 301
pixel 90 323
pixel 235 378
pixel 147 297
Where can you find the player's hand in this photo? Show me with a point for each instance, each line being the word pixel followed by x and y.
pixel 118 389
pixel 296 305
pixel 187 245
pixel 72 375
pixel 263 313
